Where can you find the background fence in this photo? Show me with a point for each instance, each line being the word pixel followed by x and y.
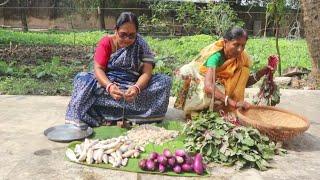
pixel 66 16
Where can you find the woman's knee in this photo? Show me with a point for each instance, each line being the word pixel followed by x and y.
pixel 165 80
pixel 82 77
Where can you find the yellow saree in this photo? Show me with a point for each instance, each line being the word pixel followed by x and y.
pixel 233 75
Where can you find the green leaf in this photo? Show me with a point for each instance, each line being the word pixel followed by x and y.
pixel 9 70
pixel 260 147
pixel 219 133
pixel 240 163
pixel 245 148
pixel 209 152
pixel 268 154
pixel 239 136
pixel 41 74
pixel 229 152
pixel 248 141
pixel 249 157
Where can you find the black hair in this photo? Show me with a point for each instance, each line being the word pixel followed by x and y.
pixel 127 17
pixel 235 33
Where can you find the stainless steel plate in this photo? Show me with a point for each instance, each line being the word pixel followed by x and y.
pixel 67 133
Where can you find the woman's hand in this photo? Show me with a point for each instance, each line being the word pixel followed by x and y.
pixel 208 88
pixel 243 105
pixel 131 93
pixel 209 81
pixel 115 92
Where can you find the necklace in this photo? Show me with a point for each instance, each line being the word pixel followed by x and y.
pixel 115 44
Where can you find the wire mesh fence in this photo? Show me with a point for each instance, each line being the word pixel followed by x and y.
pixel 64 15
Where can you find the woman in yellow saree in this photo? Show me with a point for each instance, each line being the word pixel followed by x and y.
pixel 221 70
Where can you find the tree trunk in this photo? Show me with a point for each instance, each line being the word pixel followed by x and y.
pixel 265 26
pixel 23 4
pixel 311 13
pixel 277 46
pixel 102 25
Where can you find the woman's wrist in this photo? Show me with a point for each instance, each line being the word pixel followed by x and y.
pixel 265 70
pixel 109 86
pixel 137 87
pixel 232 103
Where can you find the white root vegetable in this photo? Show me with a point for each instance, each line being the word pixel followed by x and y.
pixel 95 155
pixel 92 143
pixel 123 148
pixel 112 145
pixel 78 150
pixel 109 151
pixel 107 141
pixel 100 155
pixel 118 153
pixel 115 151
pixel 136 154
pixel 111 160
pixel 83 155
pixel 105 158
pixel 71 155
pixel 131 147
pixel 128 153
pixel 114 155
pixel 117 162
pixel 89 158
pixel 141 149
pixel 86 144
pixel 124 162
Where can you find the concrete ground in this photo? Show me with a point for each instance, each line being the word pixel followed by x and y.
pixel 27 154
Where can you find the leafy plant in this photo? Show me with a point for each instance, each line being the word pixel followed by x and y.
pixel 217 19
pixel 50 78
pixel 211 19
pixel 51 70
pixel 223 142
pixel 162 68
pixel 5 69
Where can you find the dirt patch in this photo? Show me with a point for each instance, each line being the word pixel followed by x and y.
pixel 30 54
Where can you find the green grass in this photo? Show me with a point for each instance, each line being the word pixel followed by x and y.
pixel 50 38
pixel 43 78
pixel 183 49
pixel 55 77
pixel 30 86
pixel 293 52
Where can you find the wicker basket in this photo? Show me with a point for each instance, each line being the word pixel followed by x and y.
pixel 278 124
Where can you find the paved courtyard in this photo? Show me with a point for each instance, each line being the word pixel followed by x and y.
pixel 27 154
